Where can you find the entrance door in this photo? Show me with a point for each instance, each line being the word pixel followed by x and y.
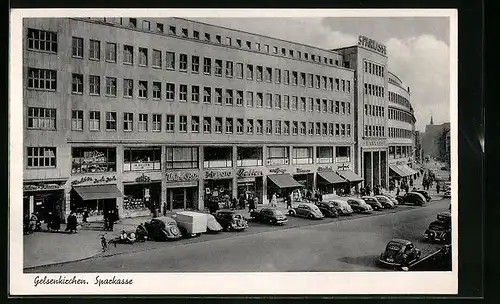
pixel 177 196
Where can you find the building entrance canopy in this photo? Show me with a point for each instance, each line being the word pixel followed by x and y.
pixel 284 181
pixel 350 176
pixel 402 170
pixel 98 192
pixel 331 177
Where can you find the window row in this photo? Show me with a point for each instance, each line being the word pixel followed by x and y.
pixel 400 151
pixel 374 110
pixel 396 98
pixel 400 133
pixel 374 69
pixel 39 40
pixel 400 115
pixel 374 131
pixel 374 90
pixel 227 41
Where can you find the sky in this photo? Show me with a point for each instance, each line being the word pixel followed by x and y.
pixel 418 50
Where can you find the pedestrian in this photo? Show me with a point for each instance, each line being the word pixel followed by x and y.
pixel 362 191
pixel 85 215
pixel 56 222
pixel 111 219
pixel 274 201
pixel 251 204
pixel 242 202
pixel 71 223
pixel 397 191
pixel 368 190
pixel 288 202
pixel 437 187
pixel 164 209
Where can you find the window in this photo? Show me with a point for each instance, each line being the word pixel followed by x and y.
pixel 295 127
pixel 306 56
pixel 239 70
pixel 77 84
pixel 41 118
pixel 294 103
pixel 266 48
pixel 95 50
pixel 331 130
pixel 182 157
pixel 277 127
pixel 110 52
pixel 318 80
pixel 330 83
pixel 42 40
pixel 318 129
pixel 257 46
pixel 290 52
pixel 337 129
pixel 170 125
pixel 343 107
pixel 318 105
pixel 128 54
pixel 259 126
pixel 195 94
pixel 349 109
pixel 41 157
pixel 207 37
pixel 269 74
pixel 183 62
pixel 259 100
pixel 41 79
pixel 170 91
pixel 218 38
pixel 250 126
pixel 294 78
pixel 259 73
pixel 313 57
pixel 303 79
pixel 172 30
pixel 330 106
pixel 207 124
pixel 218 67
pixel 283 51
pixel 342 154
pixel 184 32
pixel 229 97
pixel 94 120
pixel 228 41
pixel 239 126
pixel 324 82
pixel 310 129
pixel 325 129
pixel 348 86
pixel 277 101
pixel 76 120
pixel 183 123
pixel 343 85
pixel 170 59
pixel 337 107
pixel 83 160
pixel 249 99
pixel 207 95
pixel 195 124
pixel 277 75
pixel 302 128
pixel 325 106
pixel 277 155
pixel 302 105
pixel 286 80
pixel 302 155
pixel 143 89
pixel 156 59
pixel 239 98
pixel 269 127
pixel 249 44
pixel 110 121
pixel 156 90
pixel 324 155
pixel 269 100
pixel 238 42
pixel 128 121
pixel 349 130
pixel 207 65
pixel 218 124
pixel 286 128
pixel 128 88
pixel 229 69
pixel 111 86
pixel 156 123
pixel 249 72
pixel 77 47
pixel 183 93
pixel 286 102
pixel 140 159
pixel 195 64
pixel 196 35
pixel 337 84
pixel 218 96
pixel 159 27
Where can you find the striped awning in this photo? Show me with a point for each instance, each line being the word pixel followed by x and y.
pixel 331 177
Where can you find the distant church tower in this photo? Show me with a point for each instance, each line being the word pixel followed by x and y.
pixel 432 121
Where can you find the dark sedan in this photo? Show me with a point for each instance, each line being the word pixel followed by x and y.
pixel 425 194
pixel 359 206
pixel 373 202
pixel 269 216
pixel 399 253
pixel 328 209
pixel 231 220
pixel 412 198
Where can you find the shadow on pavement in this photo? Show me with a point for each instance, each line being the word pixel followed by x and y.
pixel 367 260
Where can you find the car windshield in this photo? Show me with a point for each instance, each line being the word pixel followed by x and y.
pixel 278 213
pixel 435 226
pixel 394 247
pixel 314 208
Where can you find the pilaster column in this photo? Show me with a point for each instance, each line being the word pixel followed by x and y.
pixel 235 180
pixel 201 181
pixel 371 170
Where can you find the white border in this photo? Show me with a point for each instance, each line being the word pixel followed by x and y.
pixel 244 283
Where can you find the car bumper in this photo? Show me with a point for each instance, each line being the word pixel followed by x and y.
pixel 281 222
pixel 389 263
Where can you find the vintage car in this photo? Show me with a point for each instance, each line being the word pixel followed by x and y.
pixel 358 205
pixel 328 209
pixel 438 231
pixel 342 206
pixel 162 229
pixel 400 253
pixel 373 202
pixel 231 220
pixel 385 202
pixel 413 198
pixel 425 194
pixel 439 260
pixel 213 225
pixel 269 215
pixel 307 210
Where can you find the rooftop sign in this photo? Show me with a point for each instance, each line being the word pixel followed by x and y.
pixel 372 44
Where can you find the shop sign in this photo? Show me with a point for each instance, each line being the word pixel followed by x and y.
pixel 143 179
pixel 374 142
pixel 181 176
pixel 343 167
pixel 277 170
pixel 94 180
pixel 218 174
pixel 300 170
pixel 41 186
pixel 248 173
pixel 141 166
pixel 372 44
pixel 325 169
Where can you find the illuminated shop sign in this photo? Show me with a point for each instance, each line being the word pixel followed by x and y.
pixel 372 44
pixel 248 173
pixel 181 176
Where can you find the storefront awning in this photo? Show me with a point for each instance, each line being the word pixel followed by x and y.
pixel 396 169
pixel 331 177
pixel 349 176
pixel 284 181
pixel 98 192
pixel 409 171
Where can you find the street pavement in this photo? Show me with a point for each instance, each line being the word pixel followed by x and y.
pixel 343 244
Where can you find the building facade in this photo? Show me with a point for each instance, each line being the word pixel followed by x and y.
pixel 137 114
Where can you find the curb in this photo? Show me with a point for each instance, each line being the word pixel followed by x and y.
pixel 62 262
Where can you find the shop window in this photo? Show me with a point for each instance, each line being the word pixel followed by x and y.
pixel 93 160
pixel 249 156
pixel 342 154
pixel 278 155
pixel 218 157
pixel 138 159
pixel 324 155
pixel 41 157
pixel 182 157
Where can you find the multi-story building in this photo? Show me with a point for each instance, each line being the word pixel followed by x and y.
pixel 134 113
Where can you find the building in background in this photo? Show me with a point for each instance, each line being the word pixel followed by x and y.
pixel 140 114
pixel 418 147
pixel 434 140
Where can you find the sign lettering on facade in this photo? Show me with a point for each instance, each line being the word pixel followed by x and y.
pixel 41 186
pixel 277 170
pixel 94 180
pixel 143 179
pixel 141 166
pixel 325 169
pixel 248 173
pixel 218 174
pixel 343 166
pixel 300 170
pixel 372 44
pixel 181 176
pixel 374 143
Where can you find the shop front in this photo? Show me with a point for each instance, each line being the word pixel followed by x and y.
pixel 44 199
pixel 328 181
pixel 218 185
pixel 352 180
pixel 281 184
pixel 142 196
pixel 250 182
pixel 305 177
pixel 181 190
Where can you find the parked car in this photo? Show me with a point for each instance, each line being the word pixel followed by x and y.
pixel 385 202
pixel 400 253
pixel 307 210
pixel 358 205
pixel 213 225
pixel 162 229
pixel 425 194
pixel 342 206
pixel 392 198
pixel 270 216
pixel 328 209
pixel 438 231
pixel 373 201
pixel 413 198
pixel 231 220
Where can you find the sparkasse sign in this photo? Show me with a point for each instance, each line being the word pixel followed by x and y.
pixel 372 44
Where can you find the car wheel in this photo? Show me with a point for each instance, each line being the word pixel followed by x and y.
pixel 311 216
pixel 291 213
